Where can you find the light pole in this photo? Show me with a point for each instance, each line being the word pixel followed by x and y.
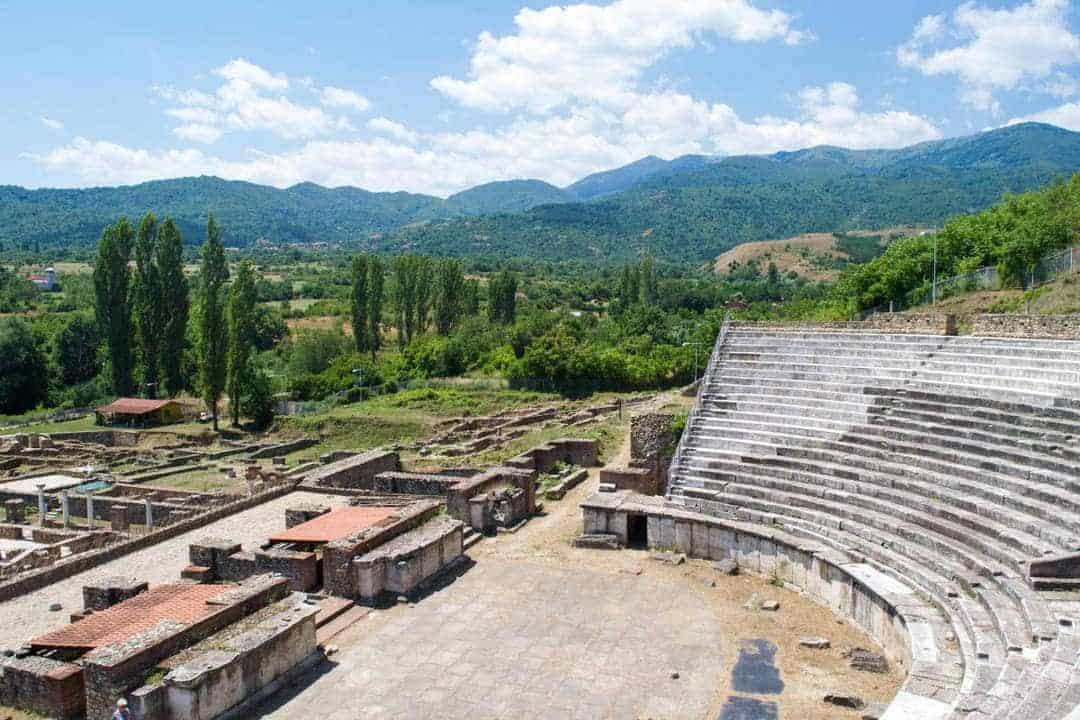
pixel 695 345
pixel 933 291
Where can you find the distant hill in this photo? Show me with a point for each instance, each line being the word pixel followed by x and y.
pixel 506 196
pixel 692 208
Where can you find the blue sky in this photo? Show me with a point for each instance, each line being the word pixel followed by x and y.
pixel 435 96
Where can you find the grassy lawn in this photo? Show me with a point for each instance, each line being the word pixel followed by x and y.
pixel 401 417
pixel 83 423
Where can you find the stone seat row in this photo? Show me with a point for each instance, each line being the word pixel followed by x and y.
pixel 946 463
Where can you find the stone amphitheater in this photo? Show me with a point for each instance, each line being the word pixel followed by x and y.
pixel 922 483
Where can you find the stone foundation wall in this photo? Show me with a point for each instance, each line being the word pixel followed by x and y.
pixel 1054 327
pixel 413 483
pixel 338 576
pixel 282 449
pixel 543 458
pixel 901 323
pixel 216 680
pixel 640 480
pixel 404 563
pixel 110 438
pixel 116 670
pixel 457 501
pixel 354 472
pixel 48 687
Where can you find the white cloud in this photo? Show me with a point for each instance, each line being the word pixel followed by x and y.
pixel 341 98
pixel 1066 116
pixel 992 50
pixel 596 53
pixel 395 130
pixel 51 123
pixel 243 103
pixel 240 70
pixel 559 148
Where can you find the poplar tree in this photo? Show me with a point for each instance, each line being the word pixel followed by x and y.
pixel 502 298
pixel 174 298
pixel 212 331
pixel 241 320
pixel 472 298
pixel 147 303
pixel 405 297
pixel 112 308
pixel 424 291
pixel 450 296
pixel 376 280
pixel 647 275
pixel 361 303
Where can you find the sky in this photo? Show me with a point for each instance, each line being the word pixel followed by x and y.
pixel 436 96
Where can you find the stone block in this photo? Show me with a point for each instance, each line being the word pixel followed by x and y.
pixel 111 591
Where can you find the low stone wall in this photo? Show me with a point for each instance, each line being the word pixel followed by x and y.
pixel 48 687
pixel 338 576
pixel 890 612
pixel 900 323
pixel 1053 327
pixel 400 565
pixel 640 480
pixel 111 438
pixel 414 483
pixel 283 448
pixel 354 472
pixel 239 665
pixel 543 458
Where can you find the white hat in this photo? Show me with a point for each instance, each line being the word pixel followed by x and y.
pixel 121 703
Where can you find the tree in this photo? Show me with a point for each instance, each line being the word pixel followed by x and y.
pixel 24 381
pixel 147 307
pixel 360 303
pixel 502 298
pixel 424 290
pixel 76 350
pixel 405 297
pixel 647 281
pixel 471 305
pixel 111 303
pixel 449 296
pixel 258 401
pixel 214 272
pixel 241 319
pixel 175 305
pixel 375 303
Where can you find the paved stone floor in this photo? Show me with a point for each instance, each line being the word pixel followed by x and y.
pixel 520 639
pixel 27 616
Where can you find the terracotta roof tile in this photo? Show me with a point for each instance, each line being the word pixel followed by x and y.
pixel 336 524
pixel 134 406
pixel 182 603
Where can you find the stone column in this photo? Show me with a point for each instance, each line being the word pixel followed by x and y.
pixel 90 511
pixel 43 506
pixel 149 515
pixel 65 505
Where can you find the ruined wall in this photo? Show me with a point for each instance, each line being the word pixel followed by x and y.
pixel 283 448
pixel 51 688
pixel 338 576
pixel 413 483
pixel 542 459
pixel 401 565
pixel 902 323
pixel 354 472
pixel 1054 327
pixel 217 680
pixel 457 501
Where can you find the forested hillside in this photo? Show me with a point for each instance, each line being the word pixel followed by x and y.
pixel 689 209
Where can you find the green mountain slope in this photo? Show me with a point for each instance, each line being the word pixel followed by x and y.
pixel 691 208
pixel 697 214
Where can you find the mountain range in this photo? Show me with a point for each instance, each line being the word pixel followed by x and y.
pixel 687 209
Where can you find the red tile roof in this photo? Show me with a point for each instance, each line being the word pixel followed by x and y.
pixel 134 406
pixel 338 523
pixel 182 603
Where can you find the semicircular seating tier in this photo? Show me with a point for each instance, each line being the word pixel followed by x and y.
pixel 950 464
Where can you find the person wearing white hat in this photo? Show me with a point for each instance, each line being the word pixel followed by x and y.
pixel 122 712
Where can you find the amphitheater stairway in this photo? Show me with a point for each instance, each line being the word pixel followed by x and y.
pixel 947 463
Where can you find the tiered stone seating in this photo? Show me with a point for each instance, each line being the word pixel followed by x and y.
pixel 947 463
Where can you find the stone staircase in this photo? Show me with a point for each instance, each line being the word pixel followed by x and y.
pixel 946 463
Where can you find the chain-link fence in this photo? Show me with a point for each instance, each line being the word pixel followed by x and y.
pixel 1051 267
